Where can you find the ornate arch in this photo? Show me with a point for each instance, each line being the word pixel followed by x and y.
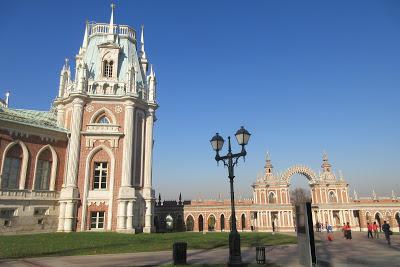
pixel 24 163
pixel 102 111
pixel 86 184
pixel 54 164
pixel 299 169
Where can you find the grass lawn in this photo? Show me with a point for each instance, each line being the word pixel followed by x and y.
pixel 85 243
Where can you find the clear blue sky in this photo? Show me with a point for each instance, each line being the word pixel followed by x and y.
pixel 301 76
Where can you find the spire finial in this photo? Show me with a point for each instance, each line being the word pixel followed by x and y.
pixel 7 98
pixel 325 156
pixel 267 156
pixel 143 53
pixel 85 37
pixel 341 175
pixel 355 195
pixel 111 26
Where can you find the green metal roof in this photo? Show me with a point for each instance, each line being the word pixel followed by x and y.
pixel 39 119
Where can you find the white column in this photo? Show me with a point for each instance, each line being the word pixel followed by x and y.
pixel 121 218
pixel 129 214
pixel 128 146
pixel 148 227
pixel 258 219
pixel 61 217
pixel 60 115
pixel 279 219
pixel 70 192
pixel 262 219
pixel 74 143
pixel 69 216
pixel 269 218
pixel 341 217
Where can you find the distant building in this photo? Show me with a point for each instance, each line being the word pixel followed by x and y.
pixel 87 163
pixel 271 209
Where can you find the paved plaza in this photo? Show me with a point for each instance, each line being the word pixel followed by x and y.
pixel 340 252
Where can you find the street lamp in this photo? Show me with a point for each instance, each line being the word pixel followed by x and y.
pixel 230 160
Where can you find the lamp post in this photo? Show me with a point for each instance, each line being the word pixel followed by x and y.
pixel 230 160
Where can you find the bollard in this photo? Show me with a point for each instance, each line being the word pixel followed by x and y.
pixel 179 252
pixel 260 255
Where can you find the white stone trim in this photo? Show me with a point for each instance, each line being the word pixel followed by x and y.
pixel 89 158
pixel 54 165
pixel 105 110
pixel 24 163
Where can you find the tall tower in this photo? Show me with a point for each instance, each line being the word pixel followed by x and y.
pixel 109 111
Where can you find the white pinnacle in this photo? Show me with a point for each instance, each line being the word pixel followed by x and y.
pixel 143 53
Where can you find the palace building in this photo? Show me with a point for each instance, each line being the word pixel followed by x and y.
pixel 87 163
pixel 270 208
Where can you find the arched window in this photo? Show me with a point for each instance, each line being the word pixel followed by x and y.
pixel 332 197
pixel 12 168
pixel 211 223
pixel 103 120
pixel 107 68
pixel 201 223
pixel 169 222
pixel 43 170
pixel 222 222
pixel 243 221
pixel 189 223
pixel 271 198
pixel 100 175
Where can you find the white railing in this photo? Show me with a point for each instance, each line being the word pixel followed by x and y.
pixel 102 29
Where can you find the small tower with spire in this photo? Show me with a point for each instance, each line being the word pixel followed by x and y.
pixel 374 197
pixel 268 165
pixel 143 59
pixel 326 166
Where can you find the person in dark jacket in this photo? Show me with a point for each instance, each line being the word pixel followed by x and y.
pixel 387 231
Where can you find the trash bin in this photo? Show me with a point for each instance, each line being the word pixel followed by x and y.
pixel 260 254
pixel 179 252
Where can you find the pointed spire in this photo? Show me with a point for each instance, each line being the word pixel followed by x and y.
pixel 180 198
pixel 142 52
pixel 268 165
pixel 159 198
pixel 374 195
pixel 111 25
pixel 355 195
pixel 85 37
pixel 393 195
pixel 341 178
pixel 151 71
pixel 66 65
pixel 7 99
pixel 325 164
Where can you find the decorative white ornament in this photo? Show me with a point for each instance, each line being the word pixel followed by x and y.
pixel 118 109
pixel 89 108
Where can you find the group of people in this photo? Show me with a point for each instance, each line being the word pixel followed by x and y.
pixel 375 228
pixel 346 229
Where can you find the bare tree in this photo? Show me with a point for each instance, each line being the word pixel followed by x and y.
pixel 300 195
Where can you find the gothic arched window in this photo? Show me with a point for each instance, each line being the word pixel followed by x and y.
pixel 107 68
pixel 332 197
pixel 103 120
pixel 271 198
pixel 12 168
pixel 43 170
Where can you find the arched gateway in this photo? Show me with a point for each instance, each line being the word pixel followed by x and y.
pixel 278 214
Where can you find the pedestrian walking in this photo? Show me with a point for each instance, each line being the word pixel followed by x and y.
pixel 369 227
pixel 347 230
pixel 329 228
pixel 318 226
pixel 387 231
pixel 375 228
